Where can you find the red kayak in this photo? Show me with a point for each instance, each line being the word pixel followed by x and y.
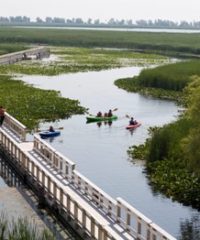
pixel 130 127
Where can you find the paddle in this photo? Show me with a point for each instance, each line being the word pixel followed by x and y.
pixel 127 116
pixel 42 130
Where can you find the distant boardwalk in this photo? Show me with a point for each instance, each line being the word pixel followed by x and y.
pixel 38 52
pixel 77 200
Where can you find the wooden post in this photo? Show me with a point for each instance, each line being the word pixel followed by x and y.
pixel 128 220
pixel 92 225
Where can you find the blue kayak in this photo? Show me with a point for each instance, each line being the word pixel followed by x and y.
pixel 46 134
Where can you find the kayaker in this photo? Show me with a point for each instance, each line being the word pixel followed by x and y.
pixel 51 129
pixel 2 115
pixel 132 121
pixel 110 113
pixel 99 114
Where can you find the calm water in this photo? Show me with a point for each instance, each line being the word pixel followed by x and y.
pixel 119 29
pixel 100 151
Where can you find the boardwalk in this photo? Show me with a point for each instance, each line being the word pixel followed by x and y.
pixel 89 210
pixel 38 52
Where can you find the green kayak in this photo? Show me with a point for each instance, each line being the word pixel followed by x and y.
pixel 96 119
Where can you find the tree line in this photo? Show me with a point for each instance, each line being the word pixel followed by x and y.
pixel 158 23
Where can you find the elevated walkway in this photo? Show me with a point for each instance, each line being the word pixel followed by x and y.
pixel 95 215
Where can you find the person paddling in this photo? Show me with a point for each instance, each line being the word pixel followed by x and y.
pixel 99 114
pixel 2 115
pixel 110 113
pixel 51 129
pixel 132 121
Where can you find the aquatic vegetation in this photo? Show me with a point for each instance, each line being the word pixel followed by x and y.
pixel 12 47
pixel 83 59
pixel 172 152
pixel 31 105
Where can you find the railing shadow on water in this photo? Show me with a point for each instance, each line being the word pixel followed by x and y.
pixel 190 228
pixel 12 178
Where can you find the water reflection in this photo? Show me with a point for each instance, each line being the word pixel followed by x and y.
pixel 99 124
pixel 8 175
pixel 190 228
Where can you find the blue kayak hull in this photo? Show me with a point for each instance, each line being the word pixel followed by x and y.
pixel 47 134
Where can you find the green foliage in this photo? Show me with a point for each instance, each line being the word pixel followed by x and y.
pixel 191 142
pixel 166 141
pixel 170 176
pixel 172 152
pixel 138 152
pixel 169 77
pixel 131 85
pixel 30 105
pixel 9 48
pixel 166 82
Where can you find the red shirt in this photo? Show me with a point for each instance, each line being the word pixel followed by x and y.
pixel 2 112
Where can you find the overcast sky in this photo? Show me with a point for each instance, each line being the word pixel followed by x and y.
pixel 175 10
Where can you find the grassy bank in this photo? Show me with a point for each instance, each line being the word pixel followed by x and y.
pixel 68 59
pixel 30 105
pixel 172 152
pixel 149 41
pixel 165 81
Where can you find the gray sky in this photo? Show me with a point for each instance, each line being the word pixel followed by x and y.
pixel 175 10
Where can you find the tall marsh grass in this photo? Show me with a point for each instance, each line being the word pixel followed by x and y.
pixel 169 77
pixel 21 229
pixel 165 42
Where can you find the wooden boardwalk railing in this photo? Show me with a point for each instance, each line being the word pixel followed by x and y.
pixel 10 58
pixel 93 212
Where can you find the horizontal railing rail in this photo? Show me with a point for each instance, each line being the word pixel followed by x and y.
pixel 15 126
pixel 57 160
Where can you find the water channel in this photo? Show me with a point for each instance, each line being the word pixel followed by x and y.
pixel 100 152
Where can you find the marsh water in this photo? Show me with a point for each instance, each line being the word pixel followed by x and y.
pixel 100 151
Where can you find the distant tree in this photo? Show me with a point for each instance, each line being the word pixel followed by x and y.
pixel 59 20
pixel 89 21
pixel 79 21
pixel 184 24
pixel 69 21
pixel 121 22
pixel 141 23
pixel 26 19
pixel 196 24
pixel 158 23
pixel 39 20
pixel 112 21
pixel 4 20
pixel 48 20
pixel 96 21
pixel 129 22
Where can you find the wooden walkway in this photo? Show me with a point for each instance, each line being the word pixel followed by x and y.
pixel 92 212
pixel 38 52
